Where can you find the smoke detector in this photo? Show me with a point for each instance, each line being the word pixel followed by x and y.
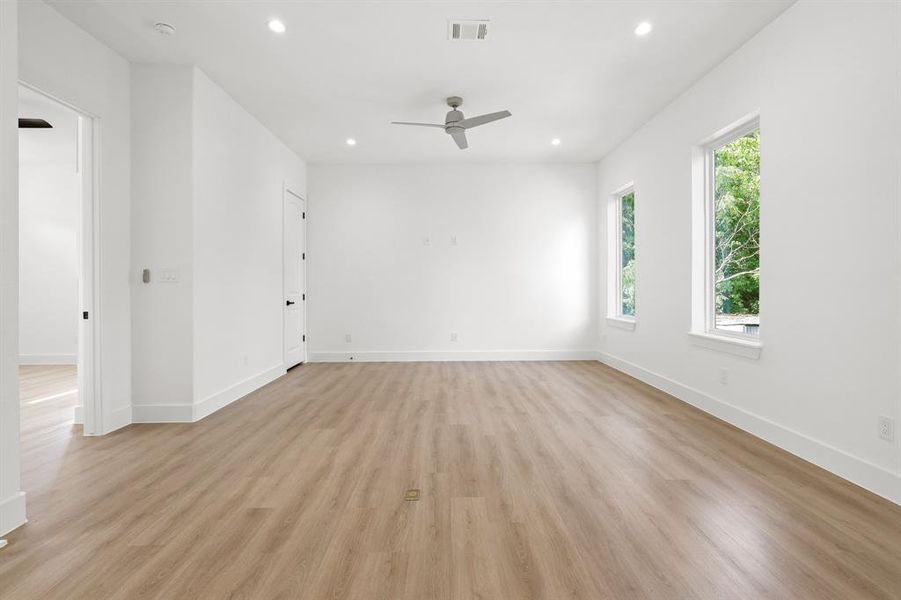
pixel 467 30
pixel 164 29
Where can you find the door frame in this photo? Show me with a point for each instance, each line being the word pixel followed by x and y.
pixel 287 189
pixel 88 240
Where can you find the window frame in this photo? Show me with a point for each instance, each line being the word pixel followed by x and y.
pixel 615 315
pixel 703 321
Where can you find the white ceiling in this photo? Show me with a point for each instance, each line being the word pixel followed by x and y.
pixel 572 70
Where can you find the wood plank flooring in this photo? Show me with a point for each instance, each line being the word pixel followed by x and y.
pixel 538 480
pixel 48 395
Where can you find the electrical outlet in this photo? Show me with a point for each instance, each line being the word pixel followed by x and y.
pixel 453 336
pixel 724 376
pixel 887 428
pixel 453 240
pixel 347 338
pixel 426 241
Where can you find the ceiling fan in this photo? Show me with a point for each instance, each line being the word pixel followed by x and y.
pixel 456 125
pixel 34 124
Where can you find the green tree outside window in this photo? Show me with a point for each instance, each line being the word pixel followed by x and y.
pixel 737 226
pixel 627 237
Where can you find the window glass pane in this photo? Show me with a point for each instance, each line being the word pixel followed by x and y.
pixel 737 243
pixel 627 237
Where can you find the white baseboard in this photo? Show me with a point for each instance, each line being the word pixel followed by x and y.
pixel 450 355
pixel 12 512
pixel 214 402
pixel 48 359
pixel 162 413
pixel 119 418
pixel 190 413
pixel 867 475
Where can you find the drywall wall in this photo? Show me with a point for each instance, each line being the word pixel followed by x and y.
pixel 61 60
pixel 161 221
pixel 401 257
pixel 824 77
pixel 49 203
pixel 208 208
pixel 12 498
pixel 239 175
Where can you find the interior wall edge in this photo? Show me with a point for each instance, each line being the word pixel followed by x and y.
pixel 12 498
pixel 865 474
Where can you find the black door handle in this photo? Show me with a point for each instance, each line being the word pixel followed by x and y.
pixel 289 302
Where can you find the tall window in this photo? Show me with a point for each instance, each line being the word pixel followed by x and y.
pixel 736 243
pixel 621 256
pixel 627 254
pixel 727 233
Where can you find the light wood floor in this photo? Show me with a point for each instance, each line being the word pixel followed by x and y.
pixel 539 480
pixel 49 394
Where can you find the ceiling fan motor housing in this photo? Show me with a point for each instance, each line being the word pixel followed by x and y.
pixel 452 117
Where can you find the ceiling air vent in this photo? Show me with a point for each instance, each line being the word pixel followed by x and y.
pixel 467 30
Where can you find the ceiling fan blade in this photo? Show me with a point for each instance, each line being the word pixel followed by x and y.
pixel 417 124
pixel 460 137
pixel 34 124
pixel 482 119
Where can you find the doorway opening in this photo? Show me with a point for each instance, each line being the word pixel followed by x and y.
pixel 56 269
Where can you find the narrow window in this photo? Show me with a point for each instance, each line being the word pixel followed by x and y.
pixel 627 254
pixel 621 257
pixel 734 233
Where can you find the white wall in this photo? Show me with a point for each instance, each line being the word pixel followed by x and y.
pixel 207 186
pixel 49 201
pixel 240 169
pixel 824 77
pixel 161 225
pixel 12 498
pixel 65 62
pixel 519 283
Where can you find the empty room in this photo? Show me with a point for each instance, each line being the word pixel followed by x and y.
pixel 440 300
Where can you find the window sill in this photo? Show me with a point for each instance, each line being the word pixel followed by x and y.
pixel 730 345
pixel 621 323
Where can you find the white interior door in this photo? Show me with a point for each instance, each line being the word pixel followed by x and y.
pixel 295 297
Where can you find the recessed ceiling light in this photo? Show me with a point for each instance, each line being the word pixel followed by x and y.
pixel 351 142
pixel 555 142
pixel 643 28
pixel 276 26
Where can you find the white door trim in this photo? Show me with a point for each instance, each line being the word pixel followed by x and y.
pixel 286 189
pixel 96 422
